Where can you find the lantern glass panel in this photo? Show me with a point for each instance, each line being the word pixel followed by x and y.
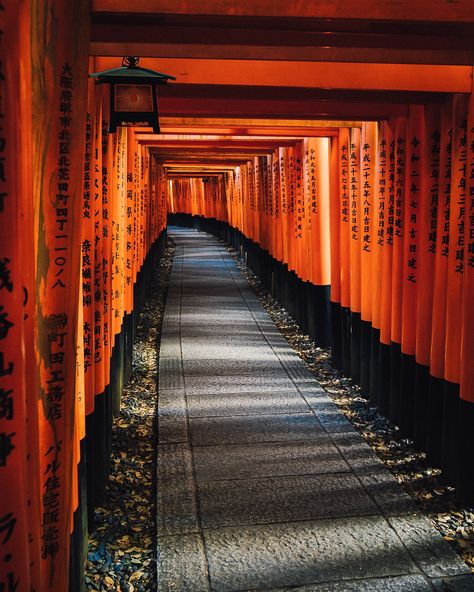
pixel 131 97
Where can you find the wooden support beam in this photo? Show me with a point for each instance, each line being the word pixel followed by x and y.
pixel 309 110
pixel 389 77
pixel 248 126
pixel 435 10
pixel 164 138
pixel 223 131
pixel 217 145
pixel 284 53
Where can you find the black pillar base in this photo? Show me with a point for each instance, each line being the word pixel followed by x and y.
pixel 407 394
pixel 375 375
pixel 384 373
pixel 79 536
pixel 464 472
pixel 355 346
pixel 434 421
pixel 450 431
pixel 336 335
pixel 365 349
pixel 395 407
pixel 346 341
pixel 420 405
pixel 322 329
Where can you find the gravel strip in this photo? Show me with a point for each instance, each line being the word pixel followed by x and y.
pixel 122 549
pixel 436 500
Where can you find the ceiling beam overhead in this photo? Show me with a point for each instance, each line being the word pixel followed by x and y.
pixel 248 126
pixel 222 131
pixel 273 109
pixel 118 37
pixel 217 145
pixel 435 10
pixel 346 75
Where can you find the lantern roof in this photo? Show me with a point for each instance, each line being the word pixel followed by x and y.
pixel 131 73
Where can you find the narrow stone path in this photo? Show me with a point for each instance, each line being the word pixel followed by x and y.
pixel 262 483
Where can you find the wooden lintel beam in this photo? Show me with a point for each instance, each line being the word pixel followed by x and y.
pixel 387 55
pixel 435 10
pixel 227 161
pixel 197 145
pixel 310 110
pixel 301 133
pixel 165 137
pixel 195 38
pixel 222 153
pixel 246 126
pixel 343 75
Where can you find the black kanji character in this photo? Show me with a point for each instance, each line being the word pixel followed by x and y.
pixel 6 448
pixel 57 321
pixel 4 370
pixel 10 585
pixel 5 280
pixel 5 324
pixel 6 404
pixel 7 523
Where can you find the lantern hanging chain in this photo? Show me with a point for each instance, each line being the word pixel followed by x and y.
pixel 130 61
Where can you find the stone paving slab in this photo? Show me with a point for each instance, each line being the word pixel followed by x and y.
pixel 242 329
pixel 176 508
pixel 245 383
pixel 230 404
pixel 285 498
pixel 276 555
pixel 182 564
pixel 170 346
pixel 194 317
pixel 382 485
pixel 428 547
pixel 170 373
pixel 172 420
pixel 242 461
pixel 262 483
pixel 254 428
pixel 209 368
pixel 198 350
pixel 462 583
pixel 176 491
pixel 396 584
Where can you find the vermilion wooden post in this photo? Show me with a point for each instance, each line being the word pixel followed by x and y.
pixel 467 347
pixel 428 211
pixel 378 237
pixel 366 204
pixel 355 249
pixel 385 235
pixel 465 478
pixel 344 246
pixel 87 301
pixel 454 288
pixel 438 333
pixel 27 248
pixel 415 185
pixel 14 546
pixel 98 246
pixel 400 150
pixel 60 39
pixel 457 237
pixel 335 248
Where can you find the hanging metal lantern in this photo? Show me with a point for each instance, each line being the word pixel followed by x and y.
pixel 133 94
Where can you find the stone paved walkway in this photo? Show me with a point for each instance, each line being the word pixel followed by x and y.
pixel 262 483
